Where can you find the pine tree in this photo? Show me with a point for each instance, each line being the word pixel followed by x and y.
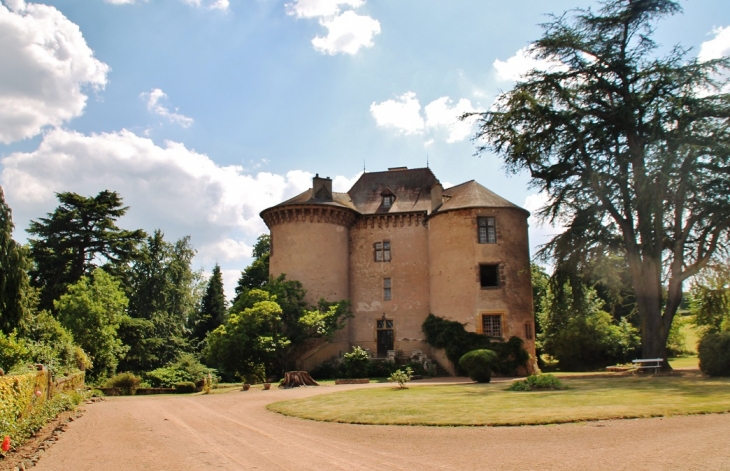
pixel 213 307
pixel 13 278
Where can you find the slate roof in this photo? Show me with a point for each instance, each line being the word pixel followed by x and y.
pixel 473 195
pixel 412 190
pixel 411 187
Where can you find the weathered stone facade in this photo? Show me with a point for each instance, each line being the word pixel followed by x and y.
pixel 399 247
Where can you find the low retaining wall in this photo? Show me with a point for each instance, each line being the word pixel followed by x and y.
pixel 352 381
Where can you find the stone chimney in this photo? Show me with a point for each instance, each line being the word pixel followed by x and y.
pixel 437 196
pixel 322 188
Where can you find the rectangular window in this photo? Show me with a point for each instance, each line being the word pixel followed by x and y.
pixel 489 276
pixel 528 330
pixel 487 230
pixel 492 325
pixel 387 291
pixel 382 251
pixel 388 201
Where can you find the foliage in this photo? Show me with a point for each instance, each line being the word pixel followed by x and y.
pixel 456 341
pixel 629 147
pixel 13 277
pixel 256 275
pixel 401 377
pixel 71 241
pixel 676 343
pixel 212 308
pixel 51 344
pixel 186 368
pixel 249 342
pixel 13 352
pixel 126 382
pixel 164 293
pixel 356 363
pixel 185 387
pixel 23 411
pixel 537 382
pixel 714 354
pixel 710 298
pixel 478 364
pixel 92 310
pixel 581 335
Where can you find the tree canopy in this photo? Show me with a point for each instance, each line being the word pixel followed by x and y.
pixel 256 275
pixel 13 277
pixel 75 238
pixel 212 311
pixel 632 149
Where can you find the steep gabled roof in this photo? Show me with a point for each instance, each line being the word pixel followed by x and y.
pixel 411 188
pixel 473 195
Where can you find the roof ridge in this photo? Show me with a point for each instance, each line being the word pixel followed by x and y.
pixel 463 183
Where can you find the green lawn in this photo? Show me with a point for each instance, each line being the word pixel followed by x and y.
pixel 492 404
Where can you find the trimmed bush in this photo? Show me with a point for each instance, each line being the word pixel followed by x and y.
pixel 478 364
pixel 186 387
pixel 356 363
pixel 126 382
pixel 714 354
pixel 185 368
pixel 539 382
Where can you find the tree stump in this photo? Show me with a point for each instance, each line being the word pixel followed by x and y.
pixel 294 379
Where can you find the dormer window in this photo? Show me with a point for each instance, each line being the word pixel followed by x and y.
pixel 388 198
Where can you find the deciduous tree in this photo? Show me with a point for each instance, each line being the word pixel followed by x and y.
pixel 631 147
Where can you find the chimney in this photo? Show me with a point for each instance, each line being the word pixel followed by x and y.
pixel 322 188
pixel 437 196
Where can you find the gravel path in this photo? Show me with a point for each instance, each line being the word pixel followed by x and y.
pixel 234 431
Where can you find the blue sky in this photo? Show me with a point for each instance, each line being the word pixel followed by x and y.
pixel 201 113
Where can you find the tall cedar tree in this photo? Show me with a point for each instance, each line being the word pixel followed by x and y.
pixel 213 307
pixel 632 150
pixel 13 278
pixel 256 275
pixel 71 241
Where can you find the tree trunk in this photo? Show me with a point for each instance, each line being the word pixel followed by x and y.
pixel 294 379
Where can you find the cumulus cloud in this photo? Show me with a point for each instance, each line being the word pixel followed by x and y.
pixel 46 70
pixel 441 117
pixel 514 68
pixel 123 2
pixel 717 47
pixel 347 32
pixel 154 105
pixel 319 8
pixel 209 4
pixel 402 113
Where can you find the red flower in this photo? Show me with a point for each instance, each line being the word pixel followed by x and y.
pixel 6 443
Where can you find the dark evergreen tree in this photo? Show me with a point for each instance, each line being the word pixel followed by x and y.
pixel 630 147
pixel 13 278
pixel 212 308
pixel 256 275
pixel 79 234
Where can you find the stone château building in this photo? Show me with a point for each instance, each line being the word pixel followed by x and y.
pixel 399 246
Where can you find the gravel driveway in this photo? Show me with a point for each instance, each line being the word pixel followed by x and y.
pixel 234 431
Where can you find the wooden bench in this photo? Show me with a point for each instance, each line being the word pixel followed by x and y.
pixel 649 363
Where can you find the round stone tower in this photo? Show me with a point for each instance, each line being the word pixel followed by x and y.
pixel 310 241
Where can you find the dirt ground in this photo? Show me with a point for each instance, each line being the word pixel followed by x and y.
pixel 235 431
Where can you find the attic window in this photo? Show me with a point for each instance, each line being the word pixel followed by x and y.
pixel 388 201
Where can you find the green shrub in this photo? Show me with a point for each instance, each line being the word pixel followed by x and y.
pixel 186 368
pixel 356 363
pixel 539 382
pixel 330 369
pixel 185 387
pixel 401 377
pixel 13 352
pixel 456 341
pixel 714 354
pixel 478 364
pixel 126 382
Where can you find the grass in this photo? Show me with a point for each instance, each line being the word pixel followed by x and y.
pixel 491 404
pixel 685 362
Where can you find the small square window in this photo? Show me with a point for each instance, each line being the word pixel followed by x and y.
pixel 388 201
pixel 492 325
pixel 487 230
pixel 387 291
pixel 489 276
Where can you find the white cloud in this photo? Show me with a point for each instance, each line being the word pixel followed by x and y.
pixel 717 47
pixel 404 115
pixel 123 2
pixel 46 68
pixel 319 8
pixel 209 4
pixel 514 68
pixel 347 33
pixel 440 115
pixel 154 106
